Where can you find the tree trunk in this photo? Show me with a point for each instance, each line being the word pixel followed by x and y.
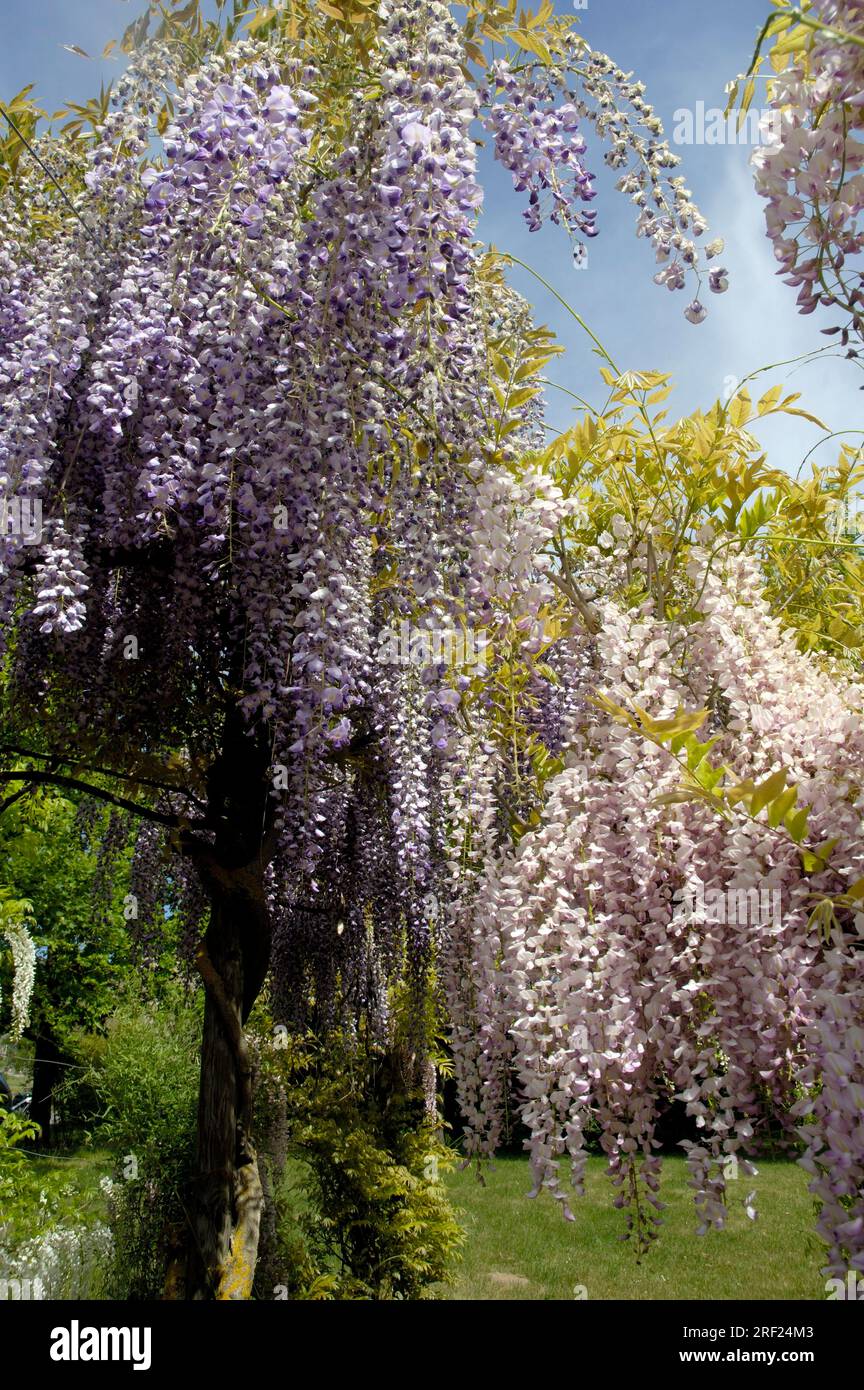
pixel 46 1075
pixel 232 962
pixel 229 1196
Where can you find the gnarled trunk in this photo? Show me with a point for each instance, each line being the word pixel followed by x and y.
pixel 232 962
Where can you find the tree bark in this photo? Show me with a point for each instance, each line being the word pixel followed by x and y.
pixel 232 962
pixel 229 1197
pixel 46 1075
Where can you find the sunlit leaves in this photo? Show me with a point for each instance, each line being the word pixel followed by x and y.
pixel 87 118
pixel 752 519
pixel 25 115
pixel 135 34
pixel 539 33
pixel 513 364
pixel 703 780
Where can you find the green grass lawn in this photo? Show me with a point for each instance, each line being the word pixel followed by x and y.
pixel 518 1248
pixel 521 1249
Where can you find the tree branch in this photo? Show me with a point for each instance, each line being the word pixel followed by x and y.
pixel 56 779
pixel 570 590
pixel 57 758
pixel 16 796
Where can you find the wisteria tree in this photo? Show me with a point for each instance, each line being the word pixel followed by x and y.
pixel 250 370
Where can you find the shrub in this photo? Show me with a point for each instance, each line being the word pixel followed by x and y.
pixel 15 1130
pixel 144 1078
pixel 361 1212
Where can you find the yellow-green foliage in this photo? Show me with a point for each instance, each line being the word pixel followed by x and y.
pixel 702 481
pixel 363 1213
pixel 15 1130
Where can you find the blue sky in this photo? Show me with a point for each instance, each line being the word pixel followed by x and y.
pixel 685 51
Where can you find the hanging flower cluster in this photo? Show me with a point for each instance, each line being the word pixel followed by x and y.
pixel 809 168
pixel 538 142
pixel 252 425
pixel 13 926
pixel 636 947
pixel 535 121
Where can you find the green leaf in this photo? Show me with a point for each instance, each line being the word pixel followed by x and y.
pixel 767 402
pixel 683 794
pixel 805 415
pixel 767 790
pixel 796 824
pixel 779 807
pixel 666 729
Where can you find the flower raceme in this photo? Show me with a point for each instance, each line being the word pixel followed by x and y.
pixel 809 170
pixel 14 915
